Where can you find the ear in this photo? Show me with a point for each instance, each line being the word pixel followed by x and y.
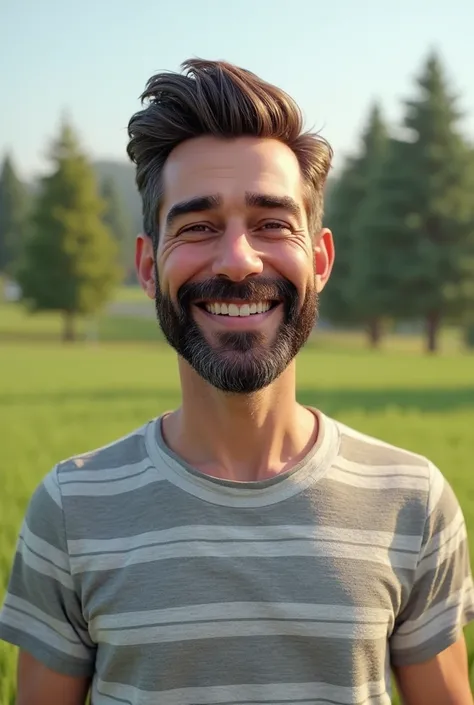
pixel 145 264
pixel 323 257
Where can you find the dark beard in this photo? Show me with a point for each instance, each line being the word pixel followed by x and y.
pixel 241 362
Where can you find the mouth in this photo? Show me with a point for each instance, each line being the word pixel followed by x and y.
pixel 235 309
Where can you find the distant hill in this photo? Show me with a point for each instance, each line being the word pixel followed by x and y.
pixel 123 175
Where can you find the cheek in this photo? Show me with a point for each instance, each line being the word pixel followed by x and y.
pixel 296 263
pixel 179 265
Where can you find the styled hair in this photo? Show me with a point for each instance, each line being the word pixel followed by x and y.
pixel 221 100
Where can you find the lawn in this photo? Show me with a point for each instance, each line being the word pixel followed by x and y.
pixel 57 400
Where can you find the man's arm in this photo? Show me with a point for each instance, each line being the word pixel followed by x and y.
pixel 38 685
pixel 443 680
pixel 42 613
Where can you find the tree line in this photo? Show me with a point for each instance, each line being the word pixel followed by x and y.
pixel 401 209
pixel 68 243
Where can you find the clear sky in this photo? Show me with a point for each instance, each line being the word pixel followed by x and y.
pixel 92 58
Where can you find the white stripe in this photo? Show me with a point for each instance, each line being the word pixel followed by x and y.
pixel 44 549
pixel 444 553
pixel 377 482
pixel 228 611
pixel 242 549
pixel 102 489
pixel 106 474
pixel 444 536
pixel 450 620
pixel 372 693
pixel 438 484
pixel 454 600
pixel 365 469
pixel 33 628
pixel 50 484
pixel 243 628
pixel 63 628
pixel 224 533
pixel 43 567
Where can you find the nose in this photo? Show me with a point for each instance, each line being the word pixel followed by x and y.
pixel 236 258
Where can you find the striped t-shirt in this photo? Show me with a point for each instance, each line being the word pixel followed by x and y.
pixel 169 587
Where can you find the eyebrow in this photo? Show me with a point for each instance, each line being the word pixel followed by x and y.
pixel 261 200
pixel 201 204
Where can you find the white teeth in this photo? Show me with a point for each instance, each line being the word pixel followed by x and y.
pixel 234 310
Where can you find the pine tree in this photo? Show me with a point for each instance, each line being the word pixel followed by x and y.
pixel 344 300
pixel 13 217
pixel 70 262
pixel 439 212
pixel 117 220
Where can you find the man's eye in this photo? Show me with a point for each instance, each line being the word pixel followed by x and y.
pixel 275 225
pixel 197 228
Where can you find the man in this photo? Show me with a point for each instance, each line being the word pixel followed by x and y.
pixel 241 549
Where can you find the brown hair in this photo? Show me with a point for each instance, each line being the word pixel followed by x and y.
pixel 219 99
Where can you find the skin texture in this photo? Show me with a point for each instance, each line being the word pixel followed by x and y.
pixel 441 681
pixel 38 685
pixel 239 242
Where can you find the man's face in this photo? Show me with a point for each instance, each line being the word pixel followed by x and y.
pixel 236 281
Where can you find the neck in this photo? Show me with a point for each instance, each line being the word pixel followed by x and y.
pixel 240 437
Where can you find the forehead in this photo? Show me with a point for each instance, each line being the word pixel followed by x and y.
pixel 230 168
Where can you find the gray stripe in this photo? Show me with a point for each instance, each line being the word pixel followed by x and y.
pixel 294 659
pixel 339 506
pixel 229 580
pixel 60 626
pixel 51 485
pixel 26 623
pixel 373 693
pixel 363 449
pixel 113 455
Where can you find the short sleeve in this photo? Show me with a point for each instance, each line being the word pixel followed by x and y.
pixel 441 601
pixel 42 612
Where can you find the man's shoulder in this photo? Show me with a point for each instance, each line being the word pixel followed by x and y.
pixel 119 458
pixel 370 451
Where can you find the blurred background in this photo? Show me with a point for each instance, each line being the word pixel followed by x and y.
pixel 82 361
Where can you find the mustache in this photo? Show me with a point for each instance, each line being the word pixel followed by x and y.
pixel 258 289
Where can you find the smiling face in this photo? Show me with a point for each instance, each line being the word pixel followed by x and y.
pixel 237 270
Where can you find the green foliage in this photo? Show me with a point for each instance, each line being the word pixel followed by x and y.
pixel 13 217
pixel 418 225
pixel 70 262
pixel 118 221
pixel 347 299
pixel 440 218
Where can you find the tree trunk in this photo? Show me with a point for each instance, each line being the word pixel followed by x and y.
pixel 69 328
pixel 374 329
pixel 433 322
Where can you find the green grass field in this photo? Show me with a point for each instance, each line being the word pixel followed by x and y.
pixel 57 400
